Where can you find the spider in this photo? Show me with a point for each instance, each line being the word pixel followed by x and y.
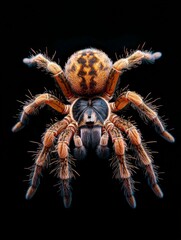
pixel 91 119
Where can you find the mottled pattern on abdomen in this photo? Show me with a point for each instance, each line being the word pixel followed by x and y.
pixel 87 71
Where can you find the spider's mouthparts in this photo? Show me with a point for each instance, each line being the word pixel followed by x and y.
pixel 90 123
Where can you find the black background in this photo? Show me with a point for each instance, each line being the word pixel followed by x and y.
pixel 98 203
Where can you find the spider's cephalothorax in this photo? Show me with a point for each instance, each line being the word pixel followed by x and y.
pixel 88 83
pixel 90 114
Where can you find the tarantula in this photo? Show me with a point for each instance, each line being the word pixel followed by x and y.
pixel 88 83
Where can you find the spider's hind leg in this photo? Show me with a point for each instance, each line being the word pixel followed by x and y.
pixel 42 61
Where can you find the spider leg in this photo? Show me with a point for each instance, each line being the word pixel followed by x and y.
pixel 79 150
pixel 143 155
pixel 102 149
pixel 42 61
pixel 39 101
pixel 123 173
pixel 145 110
pixel 122 64
pixel 65 171
pixel 48 140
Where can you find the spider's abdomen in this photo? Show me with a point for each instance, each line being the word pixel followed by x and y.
pixel 87 71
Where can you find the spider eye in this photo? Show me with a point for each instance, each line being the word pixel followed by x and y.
pixel 90 110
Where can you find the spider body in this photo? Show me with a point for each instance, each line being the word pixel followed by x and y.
pixel 91 110
pixel 87 72
pixel 91 120
pixel 90 114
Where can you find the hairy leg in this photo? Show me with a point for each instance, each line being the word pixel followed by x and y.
pixel 132 60
pixel 39 101
pixel 65 171
pixel 124 173
pixel 80 152
pixel 43 62
pixel 150 114
pixel 143 155
pixel 48 140
pixel 102 149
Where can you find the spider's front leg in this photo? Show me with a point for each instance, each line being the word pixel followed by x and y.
pixel 145 110
pixel 102 149
pixel 123 64
pixel 79 150
pixel 65 170
pixel 43 62
pixel 48 141
pixel 144 156
pixel 39 101
pixel 123 171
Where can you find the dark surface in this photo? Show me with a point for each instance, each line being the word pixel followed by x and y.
pixel 98 202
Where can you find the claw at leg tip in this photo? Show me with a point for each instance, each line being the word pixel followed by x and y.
pixel 157 55
pixel 168 137
pixel 18 126
pixel 13 129
pixel 131 200
pixel 67 199
pixel 26 60
pixel 157 190
pixel 30 193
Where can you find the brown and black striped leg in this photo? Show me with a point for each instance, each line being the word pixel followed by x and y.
pixel 48 141
pixel 132 60
pixel 52 67
pixel 33 106
pixel 65 170
pixel 144 109
pixel 144 157
pixel 123 172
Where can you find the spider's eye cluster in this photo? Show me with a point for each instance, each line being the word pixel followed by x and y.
pixel 87 71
